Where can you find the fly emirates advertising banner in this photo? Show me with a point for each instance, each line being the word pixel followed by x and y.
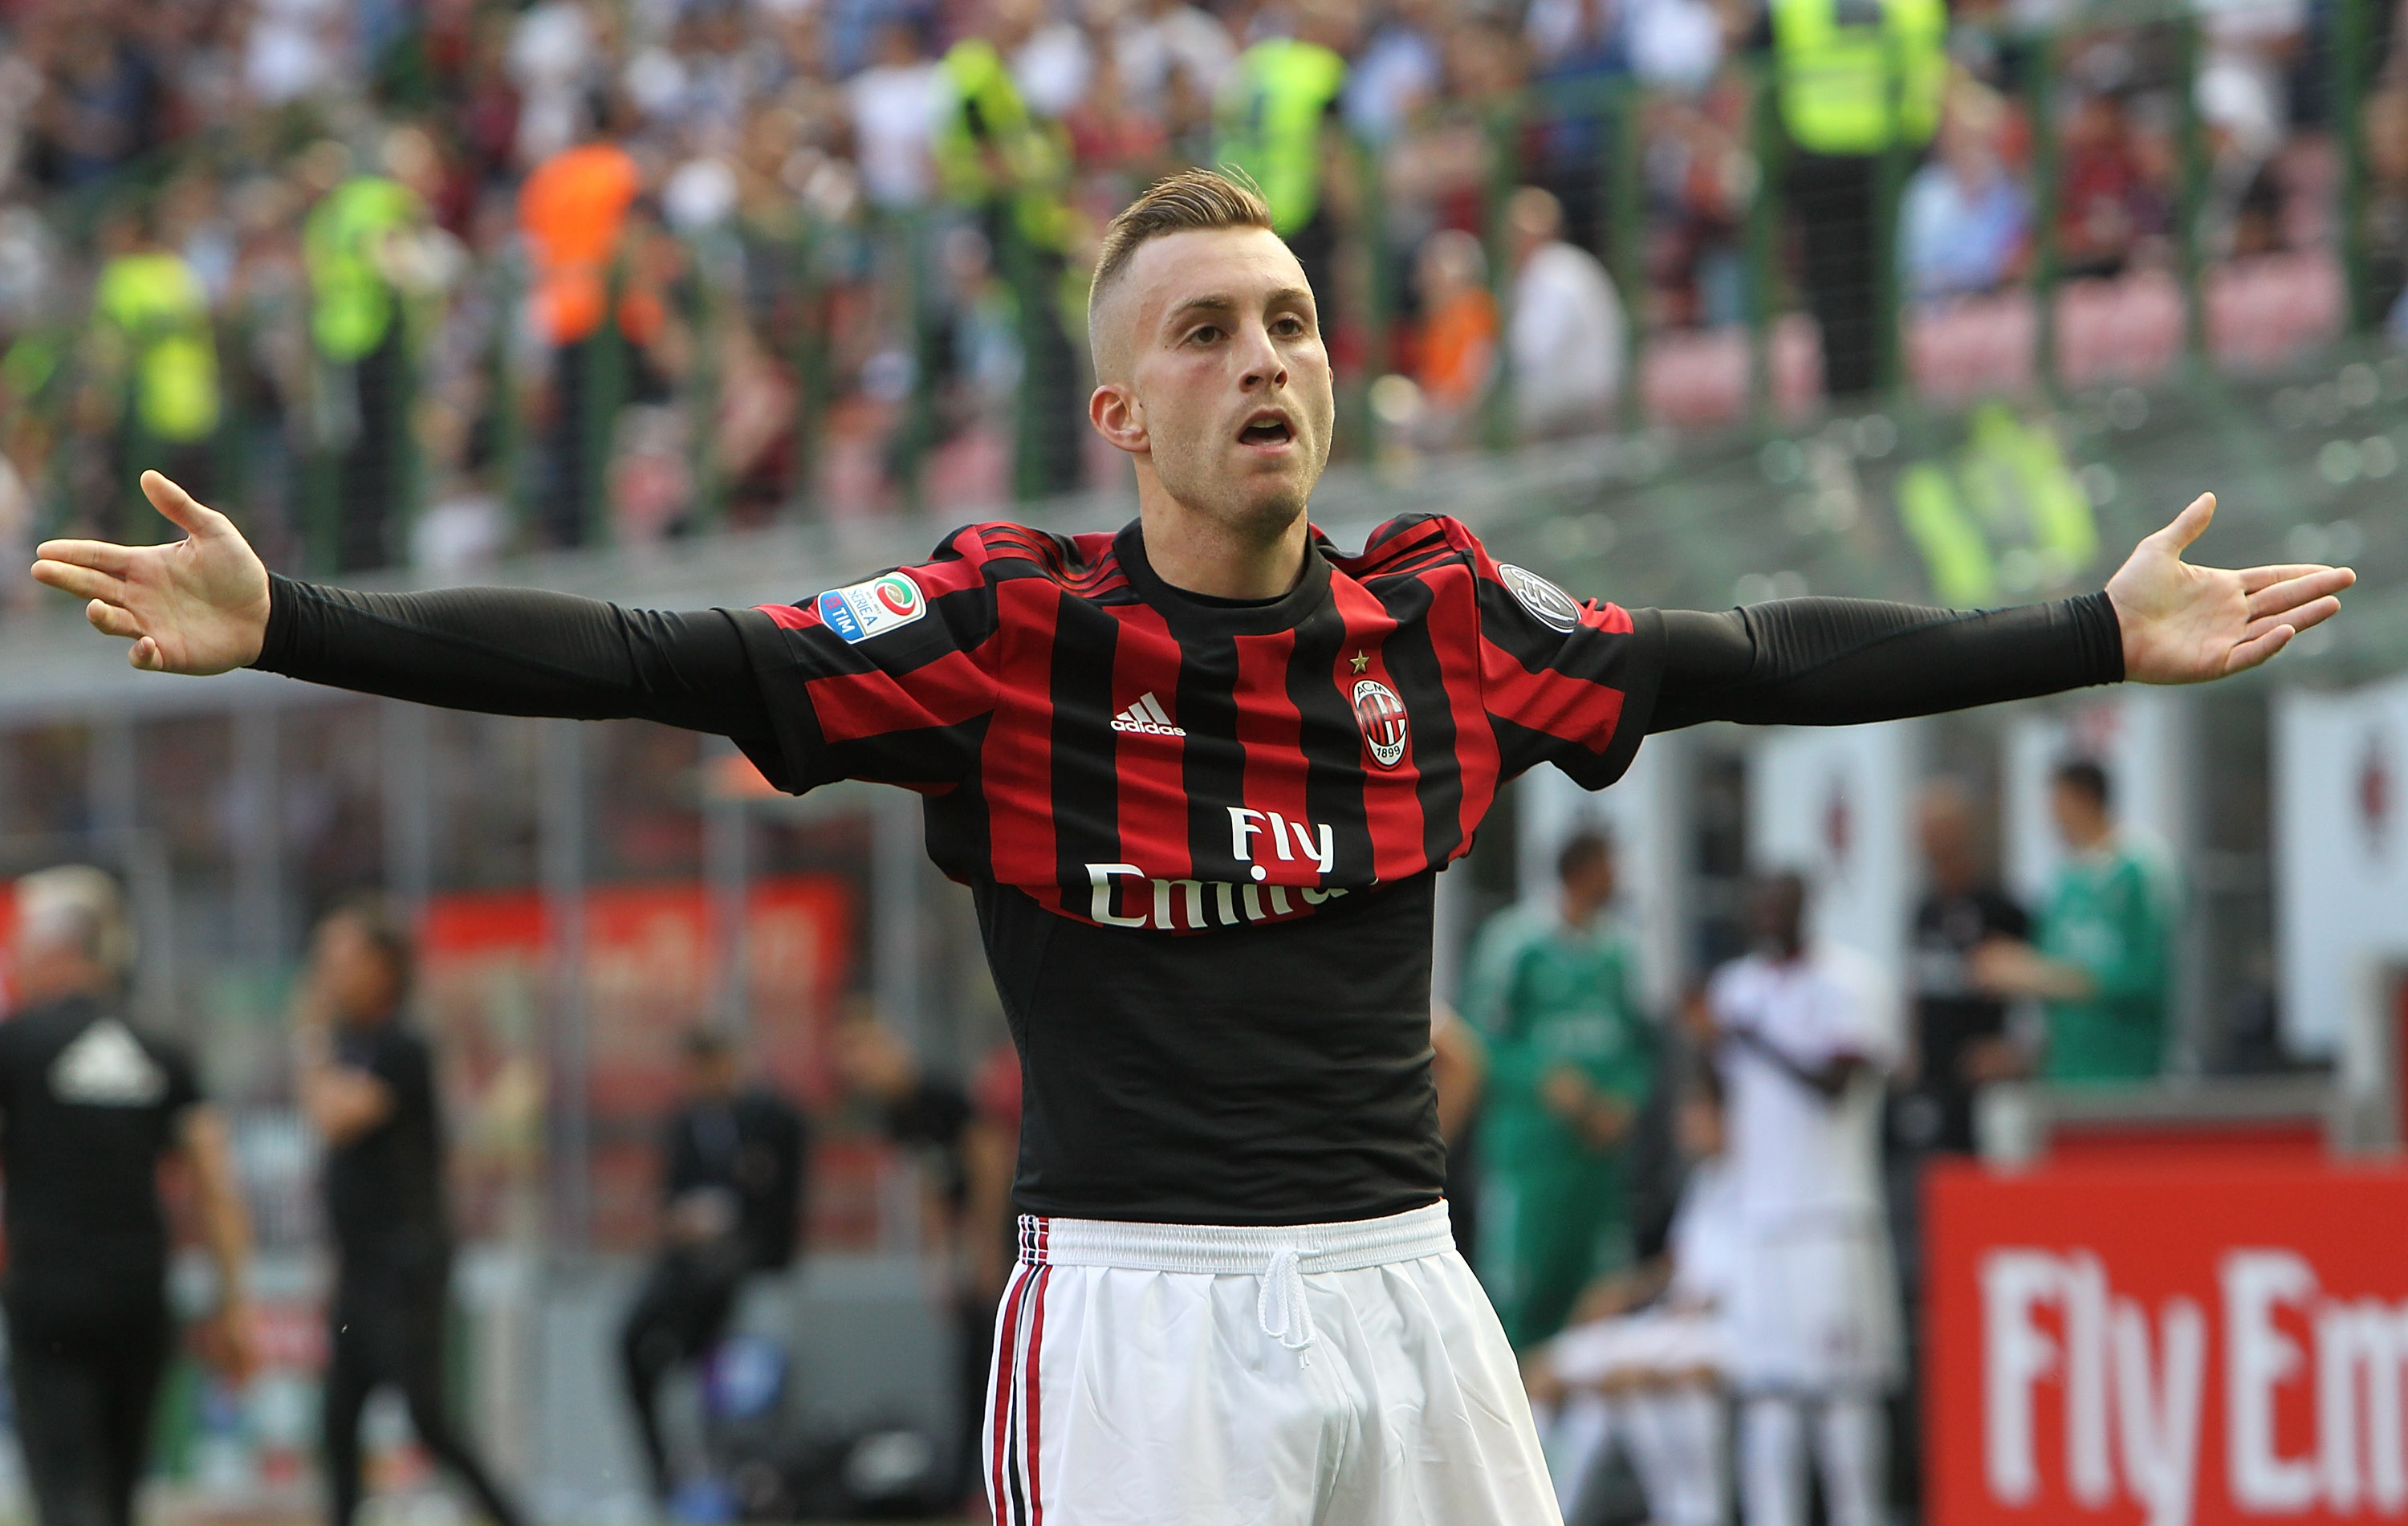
pixel 2168 1344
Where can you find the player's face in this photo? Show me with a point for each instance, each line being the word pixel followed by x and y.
pixel 1229 378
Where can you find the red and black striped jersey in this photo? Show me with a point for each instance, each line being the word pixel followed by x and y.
pixel 1133 756
pixel 1202 834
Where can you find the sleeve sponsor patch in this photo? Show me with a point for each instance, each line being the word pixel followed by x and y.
pixel 884 603
pixel 1548 604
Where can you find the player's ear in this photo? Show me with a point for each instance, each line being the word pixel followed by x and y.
pixel 1117 415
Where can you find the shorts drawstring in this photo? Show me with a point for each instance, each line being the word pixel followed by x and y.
pixel 1280 1304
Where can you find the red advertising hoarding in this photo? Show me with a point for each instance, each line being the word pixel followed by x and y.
pixel 2167 1344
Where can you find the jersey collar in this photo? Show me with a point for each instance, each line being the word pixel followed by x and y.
pixel 1186 612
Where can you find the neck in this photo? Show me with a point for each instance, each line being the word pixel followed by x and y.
pixel 1580 910
pixel 1200 555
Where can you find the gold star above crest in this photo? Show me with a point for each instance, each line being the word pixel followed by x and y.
pixel 1360 661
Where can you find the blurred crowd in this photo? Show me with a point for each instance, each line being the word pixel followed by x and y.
pixel 427 280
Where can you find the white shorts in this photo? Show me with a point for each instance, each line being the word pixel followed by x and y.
pixel 1816 1311
pixel 1328 1375
pixel 1640 1347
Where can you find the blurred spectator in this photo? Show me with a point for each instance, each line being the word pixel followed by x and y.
pixel 1700 179
pixel 1961 1030
pixel 367 1082
pixel 1853 80
pixel 92 1107
pixel 1644 1360
pixel 2104 961
pixel 1275 116
pixel 1119 146
pixel 2106 200
pixel 1569 38
pixel 732 1185
pixel 962 1144
pixel 2240 102
pixel 895 104
pixel 1564 346
pixel 1804 1038
pixel 555 60
pixel 1674 45
pixel 103 105
pixel 155 363
pixel 1053 64
pixel 2386 215
pixel 373 256
pixel 574 210
pixel 1576 46
pixel 1155 40
pixel 1965 220
pixel 1457 344
pixel 1398 70
pixel 1570 1059
pixel 995 157
pixel 296 51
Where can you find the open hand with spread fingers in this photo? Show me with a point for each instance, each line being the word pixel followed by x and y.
pixel 198 605
pixel 2187 625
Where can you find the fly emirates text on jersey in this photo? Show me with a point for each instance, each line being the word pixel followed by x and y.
pixel 1126 897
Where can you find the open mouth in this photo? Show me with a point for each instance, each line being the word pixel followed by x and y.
pixel 1267 429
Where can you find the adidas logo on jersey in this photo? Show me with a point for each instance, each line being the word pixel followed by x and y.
pixel 106 1068
pixel 1147 718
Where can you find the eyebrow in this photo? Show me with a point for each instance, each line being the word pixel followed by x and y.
pixel 1219 302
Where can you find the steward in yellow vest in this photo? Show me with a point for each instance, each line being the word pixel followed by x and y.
pixel 1270 119
pixel 1855 80
pixel 1012 168
pixel 992 153
pixel 1858 75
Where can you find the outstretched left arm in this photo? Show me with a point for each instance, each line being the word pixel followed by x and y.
pixel 1838 662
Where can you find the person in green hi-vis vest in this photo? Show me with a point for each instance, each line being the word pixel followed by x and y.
pixel 370 252
pixel 1571 1061
pixel 1001 162
pixel 2102 966
pixel 1275 122
pixel 153 356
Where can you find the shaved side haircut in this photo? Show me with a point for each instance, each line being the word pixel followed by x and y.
pixel 1190 201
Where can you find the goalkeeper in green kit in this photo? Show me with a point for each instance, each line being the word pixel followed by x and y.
pixel 1570 1062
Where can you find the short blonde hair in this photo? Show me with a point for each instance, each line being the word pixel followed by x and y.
pixel 80 906
pixel 1186 202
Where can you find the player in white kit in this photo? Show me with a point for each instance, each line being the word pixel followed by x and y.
pixel 1650 1369
pixel 1804 1039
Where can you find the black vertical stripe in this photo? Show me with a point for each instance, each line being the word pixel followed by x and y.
pixel 1086 777
pixel 1331 741
pixel 1213 764
pixel 1411 660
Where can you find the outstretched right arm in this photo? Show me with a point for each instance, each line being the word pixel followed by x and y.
pixel 205 604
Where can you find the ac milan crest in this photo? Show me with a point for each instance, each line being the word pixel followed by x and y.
pixel 1382 716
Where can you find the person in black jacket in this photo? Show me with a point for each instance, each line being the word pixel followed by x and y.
pixel 731 1192
pixel 89 1107
pixel 367 1081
